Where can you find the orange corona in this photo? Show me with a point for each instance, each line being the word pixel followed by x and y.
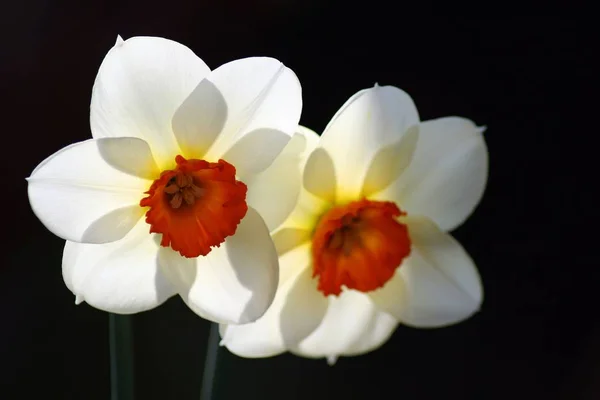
pixel 359 245
pixel 195 206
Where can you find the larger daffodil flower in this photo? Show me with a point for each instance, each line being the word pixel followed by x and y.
pixel 366 247
pixel 156 203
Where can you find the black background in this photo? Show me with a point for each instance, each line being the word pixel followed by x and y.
pixel 527 79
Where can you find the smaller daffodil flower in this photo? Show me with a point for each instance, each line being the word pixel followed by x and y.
pixel 157 202
pixel 366 246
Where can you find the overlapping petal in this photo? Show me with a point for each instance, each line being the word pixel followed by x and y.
pixel 89 191
pixel 274 192
pixel 141 83
pixel 437 285
pixel 121 277
pixel 369 121
pixel 255 109
pixel 234 283
pixel 352 325
pixel 295 312
pixel 319 177
pixel 447 175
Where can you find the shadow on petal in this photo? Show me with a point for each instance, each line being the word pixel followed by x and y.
pixel 129 155
pixel 179 277
pixel 256 150
pixel 303 310
pixel 274 192
pixel 200 119
pixel 112 226
pixel 319 175
pixel 253 257
pixel 390 162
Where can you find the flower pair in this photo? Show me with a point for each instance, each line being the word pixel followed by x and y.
pixel 201 183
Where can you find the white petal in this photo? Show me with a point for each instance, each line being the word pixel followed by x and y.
pixel 390 162
pixel 121 277
pixel 274 192
pixel 381 326
pixel 234 283
pixel 370 120
pixel 264 102
pixel 297 310
pixel 256 151
pixel 447 176
pixel 392 297
pixel 140 84
pixel 200 120
pixel 437 285
pixel 89 192
pixel 352 325
pixel 319 177
pixel 287 239
pixel 306 213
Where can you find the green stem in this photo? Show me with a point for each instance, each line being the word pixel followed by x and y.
pixel 210 363
pixel 121 357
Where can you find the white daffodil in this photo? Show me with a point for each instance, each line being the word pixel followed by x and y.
pixel 155 204
pixel 366 246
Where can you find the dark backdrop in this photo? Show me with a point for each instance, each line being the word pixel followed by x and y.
pixel 527 79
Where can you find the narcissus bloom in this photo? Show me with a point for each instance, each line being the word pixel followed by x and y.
pixel 366 246
pixel 159 202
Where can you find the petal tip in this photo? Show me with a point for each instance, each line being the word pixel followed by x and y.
pixel 78 299
pixel 119 42
pixel 331 360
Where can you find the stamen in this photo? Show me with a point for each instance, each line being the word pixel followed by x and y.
pixel 176 200
pixel 171 188
pixel 188 196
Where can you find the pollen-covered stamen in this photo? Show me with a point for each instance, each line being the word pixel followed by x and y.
pixel 195 206
pixel 182 188
pixel 359 246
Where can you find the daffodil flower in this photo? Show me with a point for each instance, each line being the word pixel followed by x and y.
pixel 366 246
pixel 157 204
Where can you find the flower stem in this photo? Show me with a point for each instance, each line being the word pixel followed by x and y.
pixel 121 357
pixel 210 363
